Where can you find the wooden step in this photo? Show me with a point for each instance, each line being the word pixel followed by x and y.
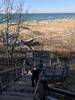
pixel 17 94
pixel 8 97
pixel 50 98
pixel 21 89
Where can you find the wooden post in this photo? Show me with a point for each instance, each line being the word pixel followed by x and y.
pixel 0 86
pixel 24 65
pixel 16 75
pixel 42 90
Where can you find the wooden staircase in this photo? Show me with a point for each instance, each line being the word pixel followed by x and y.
pixel 19 90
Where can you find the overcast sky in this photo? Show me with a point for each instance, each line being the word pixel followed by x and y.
pixel 48 6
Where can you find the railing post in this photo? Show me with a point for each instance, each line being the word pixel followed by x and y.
pixel 15 70
pixel 0 86
pixel 42 90
pixel 16 73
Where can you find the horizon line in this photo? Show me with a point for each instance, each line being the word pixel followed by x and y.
pixel 42 13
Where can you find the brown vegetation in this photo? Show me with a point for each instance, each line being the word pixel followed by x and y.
pixel 57 35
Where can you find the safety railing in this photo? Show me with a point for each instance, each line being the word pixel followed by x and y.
pixel 9 75
pixel 47 92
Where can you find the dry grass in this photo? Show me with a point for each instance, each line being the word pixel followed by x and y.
pixel 56 35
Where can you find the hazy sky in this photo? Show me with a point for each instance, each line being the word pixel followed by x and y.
pixel 48 6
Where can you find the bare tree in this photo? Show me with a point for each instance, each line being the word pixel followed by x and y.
pixel 9 38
